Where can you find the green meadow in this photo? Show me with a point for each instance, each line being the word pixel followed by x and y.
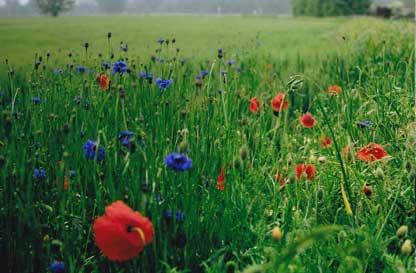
pixel 351 210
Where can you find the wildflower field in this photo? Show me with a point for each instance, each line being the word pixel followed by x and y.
pixel 206 144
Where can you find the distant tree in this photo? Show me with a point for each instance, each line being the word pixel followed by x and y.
pixel 112 6
pixel 54 7
pixel 330 7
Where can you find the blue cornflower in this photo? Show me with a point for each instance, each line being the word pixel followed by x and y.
pixel 231 62
pixel 58 71
pixel 179 216
pixel 238 69
pixel 220 53
pixel 16 115
pixel 119 67
pixel 57 267
pixel 150 77
pixel 105 65
pixel 72 173
pixel 223 72
pixel 36 100
pixel 77 99
pixel 40 174
pixel 143 74
pixel 82 134
pixel 125 137
pixel 125 48
pixel 161 60
pixel 87 105
pixel 182 61
pixel 364 124
pixel 161 41
pixel 178 162
pixel 80 69
pixel 37 63
pixel 206 182
pixel 163 84
pixel 219 91
pixel 168 214
pixel 204 73
pixel 90 148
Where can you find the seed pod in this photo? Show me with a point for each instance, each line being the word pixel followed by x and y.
pixel 276 233
pixel 2 160
pixel 406 247
pixel 379 173
pixel 243 153
pixel 402 231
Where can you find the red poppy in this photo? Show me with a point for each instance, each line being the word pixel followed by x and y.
pixel 334 89
pixel 254 105
pixel 367 190
pixel 103 81
pixel 280 178
pixel 278 103
pixel 65 185
pixel 307 120
pixel 371 152
pixel 325 142
pixel 309 169
pixel 122 233
pixel 220 180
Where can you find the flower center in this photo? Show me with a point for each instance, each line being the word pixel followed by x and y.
pixel 139 231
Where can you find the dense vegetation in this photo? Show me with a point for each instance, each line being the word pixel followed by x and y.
pixel 343 215
pixel 330 7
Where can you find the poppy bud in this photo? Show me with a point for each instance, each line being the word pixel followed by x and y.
pixel 122 93
pixel 367 190
pixel 402 231
pixel 109 35
pixel 379 173
pixel 276 233
pixel 56 246
pixel 86 45
pixel 412 176
pixel 183 146
pixel 237 163
pixel 320 194
pixel 406 247
pixel 66 128
pixel 243 152
pixel 173 40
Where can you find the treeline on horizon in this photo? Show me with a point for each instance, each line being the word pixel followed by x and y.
pixel 330 7
pixel 295 7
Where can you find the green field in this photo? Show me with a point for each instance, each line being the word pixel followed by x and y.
pixel 340 214
pixel 200 36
